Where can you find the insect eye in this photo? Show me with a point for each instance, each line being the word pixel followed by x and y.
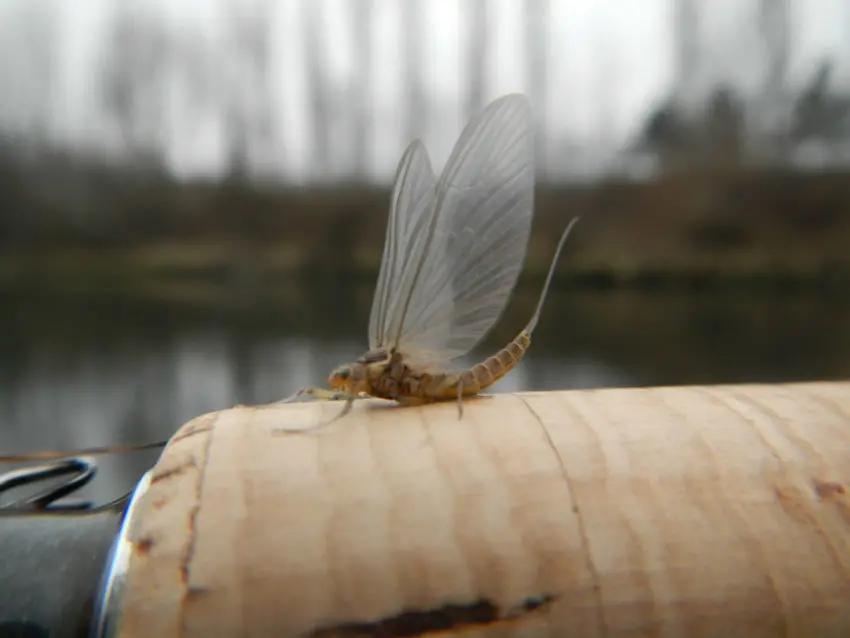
pixel 342 373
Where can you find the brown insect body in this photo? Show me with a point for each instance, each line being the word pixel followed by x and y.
pixel 392 379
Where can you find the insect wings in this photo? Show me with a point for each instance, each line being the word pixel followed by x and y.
pixel 455 246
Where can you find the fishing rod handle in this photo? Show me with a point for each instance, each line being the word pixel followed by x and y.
pixel 690 511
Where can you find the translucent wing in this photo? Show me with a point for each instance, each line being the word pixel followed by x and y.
pixel 409 245
pixel 453 250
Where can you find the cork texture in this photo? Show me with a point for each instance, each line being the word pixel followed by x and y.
pixel 682 511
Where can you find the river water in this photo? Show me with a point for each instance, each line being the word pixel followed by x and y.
pixel 82 369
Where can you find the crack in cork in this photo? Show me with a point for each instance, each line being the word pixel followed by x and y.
pixel 177 470
pixel 585 540
pixel 189 552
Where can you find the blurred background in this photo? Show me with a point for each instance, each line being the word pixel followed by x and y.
pixel 193 194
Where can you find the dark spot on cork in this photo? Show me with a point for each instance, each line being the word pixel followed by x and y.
pixel 534 603
pixel 782 496
pixel 478 614
pixel 193 592
pixel 828 489
pixel 144 545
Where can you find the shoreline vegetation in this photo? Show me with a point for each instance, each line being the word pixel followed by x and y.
pixel 707 229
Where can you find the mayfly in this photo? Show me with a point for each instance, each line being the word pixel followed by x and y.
pixel 453 251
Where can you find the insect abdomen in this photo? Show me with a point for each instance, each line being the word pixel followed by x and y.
pixel 482 375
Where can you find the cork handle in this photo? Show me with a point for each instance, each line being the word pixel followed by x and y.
pixel 694 511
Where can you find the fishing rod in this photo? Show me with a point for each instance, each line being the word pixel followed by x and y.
pixel 61 559
pixel 99 450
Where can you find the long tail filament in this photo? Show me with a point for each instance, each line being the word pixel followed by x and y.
pixel 532 323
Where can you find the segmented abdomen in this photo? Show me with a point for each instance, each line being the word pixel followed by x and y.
pixel 484 374
pixel 444 387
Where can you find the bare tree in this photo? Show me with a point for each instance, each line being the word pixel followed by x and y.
pixel 134 80
pixel 537 60
pixel 412 35
pixel 773 111
pixel 775 27
pixel 478 34
pixel 27 69
pixel 605 84
pixel 820 112
pixel 687 49
pixel 362 83
pixel 318 85
pixel 246 98
pixel 665 135
pixel 722 127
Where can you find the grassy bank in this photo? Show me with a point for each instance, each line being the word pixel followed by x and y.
pixel 706 229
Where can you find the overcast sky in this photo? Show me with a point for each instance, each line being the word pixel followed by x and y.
pixel 610 64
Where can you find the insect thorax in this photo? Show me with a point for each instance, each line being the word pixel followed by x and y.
pixel 376 355
pixel 386 376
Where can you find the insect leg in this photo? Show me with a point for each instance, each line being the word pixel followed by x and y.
pixel 338 395
pixel 349 402
pixel 302 392
pixel 322 394
pixel 460 399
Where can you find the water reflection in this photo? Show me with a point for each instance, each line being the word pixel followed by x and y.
pixel 92 369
